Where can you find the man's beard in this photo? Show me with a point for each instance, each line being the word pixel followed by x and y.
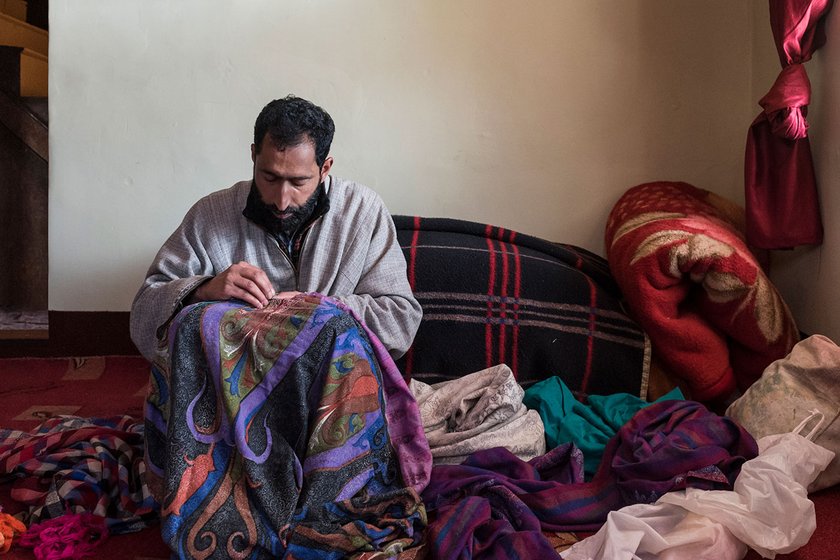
pixel 293 219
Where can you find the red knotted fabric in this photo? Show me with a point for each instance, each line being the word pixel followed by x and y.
pixel 782 206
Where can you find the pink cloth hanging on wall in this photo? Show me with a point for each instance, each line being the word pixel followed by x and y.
pixel 782 204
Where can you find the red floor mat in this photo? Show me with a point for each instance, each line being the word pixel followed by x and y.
pixel 33 389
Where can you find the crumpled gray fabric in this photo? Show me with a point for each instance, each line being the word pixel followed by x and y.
pixel 478 411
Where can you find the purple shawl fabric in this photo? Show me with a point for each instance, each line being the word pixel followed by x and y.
pixel 500 504
pixel 405 425
pixel 285 431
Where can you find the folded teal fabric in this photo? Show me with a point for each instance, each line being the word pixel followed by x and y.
pixel 590 424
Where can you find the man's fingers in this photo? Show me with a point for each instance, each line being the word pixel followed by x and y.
pixel 254 290
pixel 242 281
pixel 247 297
pixel 258 278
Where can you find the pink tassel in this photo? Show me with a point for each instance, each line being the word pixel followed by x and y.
pixel 69 537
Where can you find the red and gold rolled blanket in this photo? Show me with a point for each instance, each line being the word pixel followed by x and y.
pixel 714 318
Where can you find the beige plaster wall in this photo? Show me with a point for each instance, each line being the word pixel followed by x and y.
pixel 532 115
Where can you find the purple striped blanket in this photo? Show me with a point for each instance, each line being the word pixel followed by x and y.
pixel 497 505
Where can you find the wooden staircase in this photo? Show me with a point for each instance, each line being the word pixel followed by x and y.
pixel 34 44
pixel 24 164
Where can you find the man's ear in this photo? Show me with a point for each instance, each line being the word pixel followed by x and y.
pixel 325 169
pixel 253 154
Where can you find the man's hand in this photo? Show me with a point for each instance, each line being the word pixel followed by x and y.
pixel 242 281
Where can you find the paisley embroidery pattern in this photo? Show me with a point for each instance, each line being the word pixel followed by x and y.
pixel 267 435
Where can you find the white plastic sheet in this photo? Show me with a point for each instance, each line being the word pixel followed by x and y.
pixel 767 510
pixel 658 532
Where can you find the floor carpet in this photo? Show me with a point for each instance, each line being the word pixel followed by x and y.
pixel 34 389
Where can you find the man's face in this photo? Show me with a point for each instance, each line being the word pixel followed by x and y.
pixel 287 178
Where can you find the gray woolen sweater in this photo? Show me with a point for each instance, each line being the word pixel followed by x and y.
pixel 351 254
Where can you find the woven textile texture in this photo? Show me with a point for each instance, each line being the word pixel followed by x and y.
pixel 494 296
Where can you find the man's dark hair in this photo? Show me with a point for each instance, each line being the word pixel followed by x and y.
pixel 292 120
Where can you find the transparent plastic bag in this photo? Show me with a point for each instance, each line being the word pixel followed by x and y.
pixel 768 507
pixel 658 532
pixel 767 510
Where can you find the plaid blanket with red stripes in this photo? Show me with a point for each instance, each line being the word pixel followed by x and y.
pixel 492 295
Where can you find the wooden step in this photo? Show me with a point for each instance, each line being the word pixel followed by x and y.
pixel 23 73
pixel 34 74
pixel 39 107
pixel 17 33
pixel 17 325
pixel 14 8
pixel 18 117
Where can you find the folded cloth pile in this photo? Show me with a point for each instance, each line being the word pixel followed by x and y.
pixel 589 422
pixel 479 411
pixel 496 506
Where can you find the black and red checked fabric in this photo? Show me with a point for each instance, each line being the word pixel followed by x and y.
pixel 491 295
